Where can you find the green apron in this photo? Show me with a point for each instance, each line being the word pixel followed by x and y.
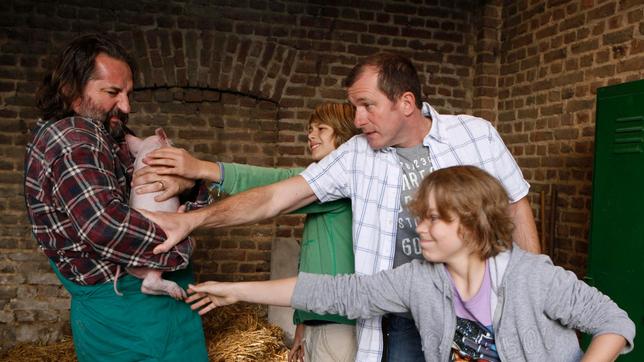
pixel 136 326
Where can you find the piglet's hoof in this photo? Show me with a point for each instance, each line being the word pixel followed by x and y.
pixel 163 287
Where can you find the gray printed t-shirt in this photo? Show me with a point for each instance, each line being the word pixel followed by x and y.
pixel 416 164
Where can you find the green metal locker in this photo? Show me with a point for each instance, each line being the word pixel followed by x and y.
pixel 616 250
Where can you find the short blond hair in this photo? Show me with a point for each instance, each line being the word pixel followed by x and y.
pixel 477 199
pixel 338 116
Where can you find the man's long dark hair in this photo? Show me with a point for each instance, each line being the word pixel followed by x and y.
pixel 75 67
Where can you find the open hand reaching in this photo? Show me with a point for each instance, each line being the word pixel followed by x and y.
pixel 207 296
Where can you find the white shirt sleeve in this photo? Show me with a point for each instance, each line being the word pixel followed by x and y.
pixel 330 177
pixel 507 169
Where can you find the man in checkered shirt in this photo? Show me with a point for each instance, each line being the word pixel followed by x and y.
pixel 402 140
pixel 78 171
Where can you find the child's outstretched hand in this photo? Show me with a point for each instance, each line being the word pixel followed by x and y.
pixel 207 296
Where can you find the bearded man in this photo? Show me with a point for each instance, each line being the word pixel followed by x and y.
pixel 78 172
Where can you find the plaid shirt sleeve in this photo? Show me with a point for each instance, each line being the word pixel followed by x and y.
pixel 86 188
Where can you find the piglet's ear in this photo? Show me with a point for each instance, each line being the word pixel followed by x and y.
pixel 133 143
pixel 163 138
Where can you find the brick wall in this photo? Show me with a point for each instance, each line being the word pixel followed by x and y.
pixel 553 57
pixel 230 80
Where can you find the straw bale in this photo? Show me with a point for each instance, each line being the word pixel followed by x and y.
pixel 240 332
pixel 234 333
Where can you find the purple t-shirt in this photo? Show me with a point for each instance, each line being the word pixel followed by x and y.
pixel 474 336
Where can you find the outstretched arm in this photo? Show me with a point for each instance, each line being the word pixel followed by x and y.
pixel 247 207
pixel 171 161
pixel 525 231
pixel 177 161
pixel 349 295
pixel 209 295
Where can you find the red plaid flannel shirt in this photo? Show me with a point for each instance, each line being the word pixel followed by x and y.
pixel 77 187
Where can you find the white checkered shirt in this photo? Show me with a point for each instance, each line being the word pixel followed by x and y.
pixel 372 180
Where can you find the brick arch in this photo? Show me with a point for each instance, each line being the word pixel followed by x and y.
pixel 255 66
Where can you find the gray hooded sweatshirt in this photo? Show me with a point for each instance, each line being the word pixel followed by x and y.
pixel 535 305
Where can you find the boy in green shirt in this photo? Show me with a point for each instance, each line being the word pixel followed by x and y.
pixel 327 246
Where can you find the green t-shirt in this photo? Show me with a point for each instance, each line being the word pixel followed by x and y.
pixel 327 244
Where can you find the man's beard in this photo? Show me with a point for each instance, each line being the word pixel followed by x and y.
pixel 88 109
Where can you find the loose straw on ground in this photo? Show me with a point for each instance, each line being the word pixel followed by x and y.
pixel 234 333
